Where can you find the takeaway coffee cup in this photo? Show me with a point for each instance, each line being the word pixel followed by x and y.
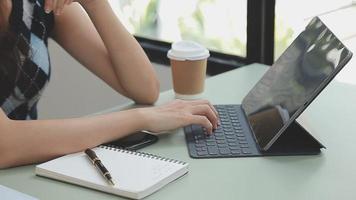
pixel 188 61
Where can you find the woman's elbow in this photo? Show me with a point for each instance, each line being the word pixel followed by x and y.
pixel 3 151
pixel 5 154
pixel 4 157
pixel 4 164
pixel 154 94
pixel 6 148
pixel 150 94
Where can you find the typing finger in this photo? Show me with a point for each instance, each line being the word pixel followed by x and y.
pixel 201 120
pixel 206 102
pixel 205 110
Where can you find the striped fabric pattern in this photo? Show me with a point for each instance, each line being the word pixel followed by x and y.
pixel 33 25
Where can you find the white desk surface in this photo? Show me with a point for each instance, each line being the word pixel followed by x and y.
pixel 330 175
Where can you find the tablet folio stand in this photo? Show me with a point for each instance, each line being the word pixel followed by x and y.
pixel 295 140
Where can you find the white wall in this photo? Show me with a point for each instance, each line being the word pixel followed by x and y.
pixel 74 91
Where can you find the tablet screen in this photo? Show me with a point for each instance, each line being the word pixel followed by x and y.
pixel 293 80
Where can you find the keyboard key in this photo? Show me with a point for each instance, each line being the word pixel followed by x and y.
pixel 198 137
pixel 240 134
pixel 210 140
pixel 244 146
pixel 225 123
pixel 202 153
pixel 230 137
pixel 246 151
pixel 236 151
pixel 228 130
pixel 234 147
pixel 222 146
pixel 212 150
pixel 219 128
pixel 211 143
pixel 220 141
pixel 200 145
pixel 219 134
pixel 229 133
pixel 224 119
pixel 231 140
pixel 241 138
pixel 243 142
pixel 218 131
pixel 233 144
pixel 224 151
pixel 219 137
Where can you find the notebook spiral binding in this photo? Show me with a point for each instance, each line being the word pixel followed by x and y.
pixel 141 154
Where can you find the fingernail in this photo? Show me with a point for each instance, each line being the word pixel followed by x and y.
pixel 47 11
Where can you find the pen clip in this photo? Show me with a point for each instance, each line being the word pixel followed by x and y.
pixel 95 160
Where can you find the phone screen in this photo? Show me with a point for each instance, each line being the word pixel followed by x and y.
pixel 134 141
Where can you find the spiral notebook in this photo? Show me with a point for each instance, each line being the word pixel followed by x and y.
pixel 136 174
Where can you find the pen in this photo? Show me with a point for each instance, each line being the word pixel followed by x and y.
pixel 99 165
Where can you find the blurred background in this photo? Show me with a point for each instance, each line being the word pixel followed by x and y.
pixel 236 32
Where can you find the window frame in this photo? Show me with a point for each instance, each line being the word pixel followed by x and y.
pixel 259 48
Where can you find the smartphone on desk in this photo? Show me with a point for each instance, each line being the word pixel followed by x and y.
pixel 134 141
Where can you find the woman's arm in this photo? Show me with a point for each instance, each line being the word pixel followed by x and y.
pixel 107 49
pixel 25 142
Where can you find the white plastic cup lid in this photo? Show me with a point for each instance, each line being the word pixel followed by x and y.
pixel 187 50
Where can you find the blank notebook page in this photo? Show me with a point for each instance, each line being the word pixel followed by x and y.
pixel 132 172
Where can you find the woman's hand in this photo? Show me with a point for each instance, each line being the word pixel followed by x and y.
pixel 57 6
pixel 181 113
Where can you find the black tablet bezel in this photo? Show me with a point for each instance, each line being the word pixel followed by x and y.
pixel 310 100
pixel 317 91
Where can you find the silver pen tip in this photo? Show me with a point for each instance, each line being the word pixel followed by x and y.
pixel 111 182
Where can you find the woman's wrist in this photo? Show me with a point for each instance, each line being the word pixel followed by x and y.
pixel 142 118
